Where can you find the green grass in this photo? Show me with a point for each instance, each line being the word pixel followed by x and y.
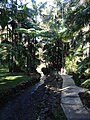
pixel 9 80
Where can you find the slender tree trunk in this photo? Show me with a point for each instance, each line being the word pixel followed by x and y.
pixel 29 66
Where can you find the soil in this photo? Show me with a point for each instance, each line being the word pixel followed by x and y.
pixel 43 104
pixel 12 93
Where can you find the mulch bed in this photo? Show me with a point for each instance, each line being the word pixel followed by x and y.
pixel 50 108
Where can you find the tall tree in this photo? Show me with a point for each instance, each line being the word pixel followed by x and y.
pixel 77 24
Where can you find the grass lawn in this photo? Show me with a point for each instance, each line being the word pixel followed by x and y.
pixel 9 80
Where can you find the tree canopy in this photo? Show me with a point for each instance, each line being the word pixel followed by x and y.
pixel 62 30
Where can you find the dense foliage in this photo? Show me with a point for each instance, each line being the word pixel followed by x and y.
pixel 77 22
pixel 19 46
pixel 62 30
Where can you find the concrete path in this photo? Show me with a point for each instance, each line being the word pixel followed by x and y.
pixel 70 100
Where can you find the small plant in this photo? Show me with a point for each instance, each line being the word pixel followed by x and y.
pixel 86 84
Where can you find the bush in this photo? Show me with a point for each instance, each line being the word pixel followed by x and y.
pixel 86 84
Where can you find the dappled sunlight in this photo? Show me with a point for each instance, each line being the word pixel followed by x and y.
pixel 70 100
pixel 66 88
pixel 12 77
pixel 2 70
pixel 52 88
pixel 56 88
pixel 41 42
pixel 2 83
pixel 4 74
pixel 8 80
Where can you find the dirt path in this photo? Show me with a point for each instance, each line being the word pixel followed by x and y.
pixel 43 104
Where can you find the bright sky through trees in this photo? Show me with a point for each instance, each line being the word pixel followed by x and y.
pixel 50 2
pixel 29 3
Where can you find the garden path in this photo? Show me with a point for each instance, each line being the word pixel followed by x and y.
pixel 70 100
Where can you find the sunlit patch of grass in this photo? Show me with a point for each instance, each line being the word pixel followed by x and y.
pixel 3 69
pixel 3 83
pixel 9 80
pixel 12 77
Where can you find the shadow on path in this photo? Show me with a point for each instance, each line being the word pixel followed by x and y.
pixel 71 102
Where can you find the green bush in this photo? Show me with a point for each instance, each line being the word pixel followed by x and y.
pixel 86 84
